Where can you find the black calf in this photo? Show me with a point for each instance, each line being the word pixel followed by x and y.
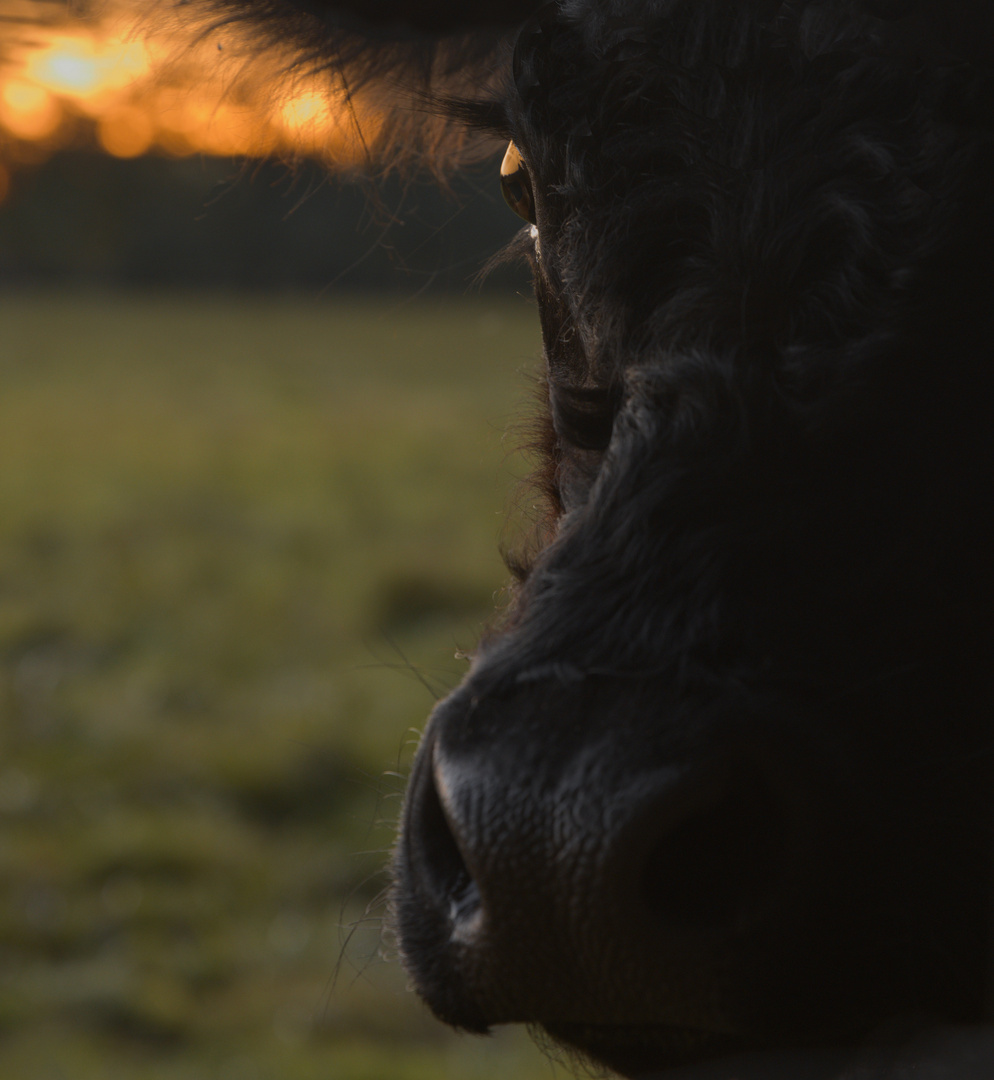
pixel 720 779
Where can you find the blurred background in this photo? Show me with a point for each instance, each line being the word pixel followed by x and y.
pixel 253 482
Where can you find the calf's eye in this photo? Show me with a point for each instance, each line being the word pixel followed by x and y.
pixel 516 184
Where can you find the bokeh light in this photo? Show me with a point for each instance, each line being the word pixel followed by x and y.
pixel 133 91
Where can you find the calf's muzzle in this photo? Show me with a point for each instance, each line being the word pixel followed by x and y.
pixel 539 876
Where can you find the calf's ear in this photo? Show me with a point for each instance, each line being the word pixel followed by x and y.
pixel 388 62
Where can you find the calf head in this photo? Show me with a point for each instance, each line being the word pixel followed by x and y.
pixel 719 779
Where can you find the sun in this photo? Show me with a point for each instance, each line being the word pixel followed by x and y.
pixel 131 92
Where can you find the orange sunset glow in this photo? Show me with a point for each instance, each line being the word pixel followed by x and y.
pixel 70 83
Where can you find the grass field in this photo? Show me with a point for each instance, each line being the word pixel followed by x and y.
pixel 236 539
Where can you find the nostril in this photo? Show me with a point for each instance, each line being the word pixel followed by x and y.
pixel 716 862
pixel 442 867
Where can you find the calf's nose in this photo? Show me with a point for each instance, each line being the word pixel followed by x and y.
pixel 543 877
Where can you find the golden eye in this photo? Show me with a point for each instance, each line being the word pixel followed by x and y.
pixel 516 184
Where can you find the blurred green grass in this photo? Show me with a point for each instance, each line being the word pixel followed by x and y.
pixel 236 537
